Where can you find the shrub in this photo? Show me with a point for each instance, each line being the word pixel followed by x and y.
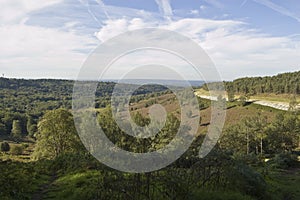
pixel 247 180
pixel 16 150
pixel 284 160
pixel 5 147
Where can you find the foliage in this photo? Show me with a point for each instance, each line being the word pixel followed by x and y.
pixel 234 169
pixel 16 131
pixel 56 135
pixel 5 147
pixel 16 150
pixel 256 134
pixel 20 180
pixel 287 83
pixel 284 161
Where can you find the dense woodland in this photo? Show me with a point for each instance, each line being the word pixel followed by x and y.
pixel 24 102
pixel 286 83
pixel 42 156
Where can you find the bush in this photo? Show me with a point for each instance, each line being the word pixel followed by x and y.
pixel 5 147
pixel 16 150
pixel 284 161
pixel 246 180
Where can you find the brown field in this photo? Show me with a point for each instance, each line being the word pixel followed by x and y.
pixel 234 113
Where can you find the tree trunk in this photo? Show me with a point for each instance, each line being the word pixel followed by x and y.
pixel 248 143
pixel 261 146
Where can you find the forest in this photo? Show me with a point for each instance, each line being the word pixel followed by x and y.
pixel 42 156
pixel 285 83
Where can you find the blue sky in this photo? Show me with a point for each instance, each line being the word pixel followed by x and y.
pixel 52 39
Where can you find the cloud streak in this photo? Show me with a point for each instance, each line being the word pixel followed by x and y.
pixel 236 50
pixel 165 8
pixel 278 8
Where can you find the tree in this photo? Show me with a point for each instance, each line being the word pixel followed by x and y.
pixel 243 100
pixel 231 95
pixel 5 147
pixel 16 150
pixel 293 103
pixel 2 129
pixel 16 131
pixel 31 126
pixel 247 136
pixel 56 135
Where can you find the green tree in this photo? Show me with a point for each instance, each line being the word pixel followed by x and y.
pixel 56 135
pixel 5 147
pixel 293 103
pixel 16 131
pixel 243 100
pixel 2 129
pixel 231 95
pixel 31 126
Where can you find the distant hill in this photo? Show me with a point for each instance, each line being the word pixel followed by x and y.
pixel 286 83
pixel 35 96
pixel 178 83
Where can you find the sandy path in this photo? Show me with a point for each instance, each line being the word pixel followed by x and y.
pixel 272 104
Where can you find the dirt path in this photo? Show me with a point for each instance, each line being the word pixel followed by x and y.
pixel 44 189
pixel 272 104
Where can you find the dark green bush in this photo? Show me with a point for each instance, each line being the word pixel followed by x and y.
pixel 283 161
pixel 5 147
pixel 246 180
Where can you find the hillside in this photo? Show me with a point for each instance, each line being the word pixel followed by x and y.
pixel 27 100
pixel 280 91
pixel 235 169
pixel 286 83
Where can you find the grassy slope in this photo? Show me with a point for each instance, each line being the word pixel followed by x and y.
pixel 283 184
pixel 285 98
pixel 234 113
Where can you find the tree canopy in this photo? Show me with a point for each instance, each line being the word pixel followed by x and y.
pixel 56 135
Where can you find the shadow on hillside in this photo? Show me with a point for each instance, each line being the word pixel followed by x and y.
pixel 205 124
pixel 229 107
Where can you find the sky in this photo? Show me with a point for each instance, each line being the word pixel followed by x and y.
pixel 54 38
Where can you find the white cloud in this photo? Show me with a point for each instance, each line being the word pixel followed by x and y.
pixel 194 12
pixel 52 52
pixel 115 27
pixel 235 49
pixel 41 52
pixel 35 51
pixel 165 7
pixel 203 7
pixel 16 10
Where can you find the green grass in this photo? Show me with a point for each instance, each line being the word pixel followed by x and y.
pixel 218 195
pixel 284 184
pixel 284 98
pixel 81 185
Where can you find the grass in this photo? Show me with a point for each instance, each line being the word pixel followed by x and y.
pixel 234 114
pixel 284 184
pixel 218 195
pixel 81 185
pixel 25 156
pixel 284 98
pixel 202 92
